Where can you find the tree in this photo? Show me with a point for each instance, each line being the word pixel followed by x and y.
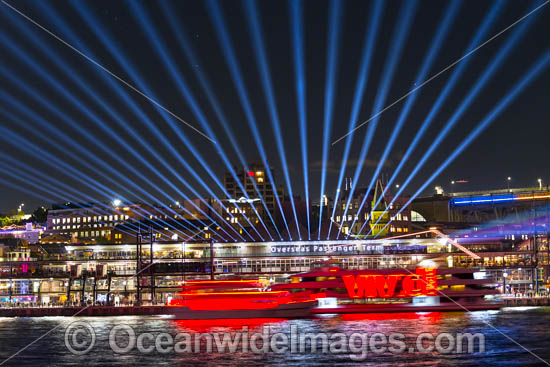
pixel 5 221
pixel 40 215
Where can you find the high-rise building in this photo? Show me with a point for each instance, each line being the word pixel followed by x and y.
pixel 257 186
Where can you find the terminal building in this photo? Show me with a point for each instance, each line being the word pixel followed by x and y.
pixel 90 251
pixel 83 273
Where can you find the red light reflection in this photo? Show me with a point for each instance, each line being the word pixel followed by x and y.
pixel 230 324
pixel 432 316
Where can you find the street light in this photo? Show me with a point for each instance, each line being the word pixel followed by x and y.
pixel 540 183
pixel 117 202
pixel 509 179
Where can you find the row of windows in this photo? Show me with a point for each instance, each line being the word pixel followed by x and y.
pixel 89 219
pixel 398 229
pixel 97 234
pixel 77 226
pixel 400 216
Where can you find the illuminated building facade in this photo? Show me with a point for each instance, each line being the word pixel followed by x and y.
pixel 254 180
pixel 401 223
pixel 58 273
pixel 83 223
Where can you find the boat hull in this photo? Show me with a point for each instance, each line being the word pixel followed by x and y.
pixel 283 311
pixel 388 308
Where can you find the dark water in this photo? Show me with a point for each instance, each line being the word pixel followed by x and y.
pixel 528 327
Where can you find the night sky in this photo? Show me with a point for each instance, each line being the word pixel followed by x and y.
pixel 516 143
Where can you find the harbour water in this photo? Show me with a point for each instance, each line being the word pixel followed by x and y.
pixel 528 327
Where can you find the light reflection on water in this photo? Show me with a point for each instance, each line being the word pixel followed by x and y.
pixel 530 328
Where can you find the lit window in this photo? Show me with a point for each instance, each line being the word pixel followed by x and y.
pixel 116 217
pixel 259 173
pixel 260 179
pixel 337 218
pixel 89 219
pixel 78 220
pixel 110 217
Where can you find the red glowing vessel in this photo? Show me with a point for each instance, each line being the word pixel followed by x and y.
pixel 395 290
pixel 238 299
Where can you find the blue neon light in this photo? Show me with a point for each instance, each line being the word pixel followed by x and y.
pixel 484 199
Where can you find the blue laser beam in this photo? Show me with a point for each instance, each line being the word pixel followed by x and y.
pixel 541 64
pixel 193 59
pixel 161 49
pixel 335 13
pixel 484 28
pixel 297 27
pixel 406 15
pixel 362 80
pixel 495 63
pixel 441 33
pixel 254 22
pixel 113 48
pixel 63 117
pixel 49 159
pixel 225 42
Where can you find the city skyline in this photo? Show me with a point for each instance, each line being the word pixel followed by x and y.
pixel 127 25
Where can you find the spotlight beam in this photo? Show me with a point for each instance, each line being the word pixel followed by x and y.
pixel 74 76
pixel 256 32
pixel 153 101
pixel 441 33
pixel 222 33
pixel 48 158
pixel 371 33
pixel 488 21
pixel 156 41
pixel 31 180
pixel 193 59
pixel 39 181
pixel 114 49
pixel 335 11
pixel 78 82
pixel 71 123
pixel 540 65
pixel 496 62
pixel 297 27
pixel 444 70
pixel 404 21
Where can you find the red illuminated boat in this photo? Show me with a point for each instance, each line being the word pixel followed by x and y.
pixel 395 290
pixel 238 299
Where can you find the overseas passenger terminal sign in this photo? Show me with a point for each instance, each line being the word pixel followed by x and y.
pixel 318 248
